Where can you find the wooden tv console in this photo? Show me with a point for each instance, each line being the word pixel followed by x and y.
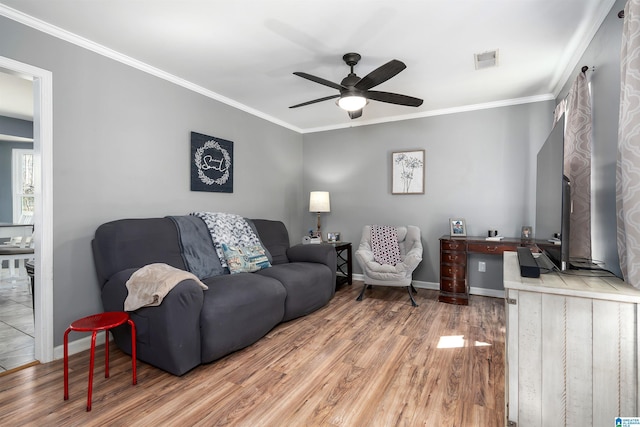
pixel 454 286
pixel 572 348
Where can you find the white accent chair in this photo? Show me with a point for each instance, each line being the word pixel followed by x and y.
pixel 410 244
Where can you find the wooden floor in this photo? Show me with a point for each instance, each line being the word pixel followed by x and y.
pixel 379 362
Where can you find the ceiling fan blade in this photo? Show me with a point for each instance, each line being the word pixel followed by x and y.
pixel 319 80
pixel 355 114
pixel 316 100
pixel 380 74
pixel 394 98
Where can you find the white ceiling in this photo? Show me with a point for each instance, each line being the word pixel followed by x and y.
pixel 244 52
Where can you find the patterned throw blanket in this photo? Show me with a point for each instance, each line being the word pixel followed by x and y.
pixel 384 244
pixel 230 229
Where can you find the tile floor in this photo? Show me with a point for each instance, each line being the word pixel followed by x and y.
pixel 16 322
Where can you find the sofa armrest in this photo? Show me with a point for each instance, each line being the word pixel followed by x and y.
pixel 168 335
pixel 413 258
pixel 321 254
pixel 364 256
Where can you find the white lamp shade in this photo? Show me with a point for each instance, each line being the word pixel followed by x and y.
pixel 352 103
pixel 319 201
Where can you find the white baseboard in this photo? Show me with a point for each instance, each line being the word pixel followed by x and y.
pixel 485 292
pixel 417 283
pixel 79 345
pixel 497 293
pixel 426 285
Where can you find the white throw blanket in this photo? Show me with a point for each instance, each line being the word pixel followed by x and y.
pixel 230 229
pixel 149 285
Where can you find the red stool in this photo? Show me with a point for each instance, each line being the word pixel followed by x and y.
pixel 94 324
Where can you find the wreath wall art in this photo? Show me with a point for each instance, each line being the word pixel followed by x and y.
pixel 211 164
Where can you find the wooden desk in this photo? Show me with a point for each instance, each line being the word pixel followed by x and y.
pixel 454 286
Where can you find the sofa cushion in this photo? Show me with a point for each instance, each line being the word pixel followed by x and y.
pixel 245 259
pixel 255 230
pixel 275 239
pixel 309 286
pixel 134 243
pixel 238 310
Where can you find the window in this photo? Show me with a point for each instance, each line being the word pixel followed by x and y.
pixel 23 191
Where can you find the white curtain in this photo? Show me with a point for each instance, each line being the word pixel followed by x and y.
pixel 577 166
pixel 559 111
pixel 628 163
pixel 577 163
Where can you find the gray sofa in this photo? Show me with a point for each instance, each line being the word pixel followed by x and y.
pixel 193 326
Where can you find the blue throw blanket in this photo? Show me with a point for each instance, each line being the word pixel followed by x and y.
pixel 197 247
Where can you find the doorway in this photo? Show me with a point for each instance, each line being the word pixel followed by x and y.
pixel 17 347
pixel 43 201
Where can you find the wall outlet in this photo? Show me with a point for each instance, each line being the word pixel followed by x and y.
pixel 482 266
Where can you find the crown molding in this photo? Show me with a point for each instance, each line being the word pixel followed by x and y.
pixel 440 112
pixel 575 50
pixel 77 40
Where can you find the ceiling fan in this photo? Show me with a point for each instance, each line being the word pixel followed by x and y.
pixel 354 91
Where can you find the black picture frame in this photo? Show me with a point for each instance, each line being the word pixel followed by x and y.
pixel 211 164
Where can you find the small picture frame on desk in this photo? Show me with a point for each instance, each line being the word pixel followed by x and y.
pixel 333 236
pixel 457 227
pixel 527 232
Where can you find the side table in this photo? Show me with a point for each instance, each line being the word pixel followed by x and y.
pixel 344 268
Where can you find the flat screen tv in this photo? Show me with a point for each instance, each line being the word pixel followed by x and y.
pixel 553 199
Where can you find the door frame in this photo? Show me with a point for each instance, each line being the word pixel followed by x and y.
pixel 43 217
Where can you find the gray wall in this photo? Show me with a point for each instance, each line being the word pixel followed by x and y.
pixel 6 194
pixel 121 149
pixel 478 166
pixel 16 127
pixel 603 53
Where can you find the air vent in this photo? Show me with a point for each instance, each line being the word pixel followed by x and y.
pixel 486 59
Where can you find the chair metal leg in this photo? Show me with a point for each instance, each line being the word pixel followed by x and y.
pixel 413 302
pixel 413 289
pixel 362 293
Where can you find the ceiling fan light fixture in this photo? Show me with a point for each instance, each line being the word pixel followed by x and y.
pixel 352 102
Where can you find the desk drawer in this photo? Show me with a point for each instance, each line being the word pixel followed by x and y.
pixel 491 248
pixel 452 245
pixel 453 271
pixel 453 286
pixel 454 258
